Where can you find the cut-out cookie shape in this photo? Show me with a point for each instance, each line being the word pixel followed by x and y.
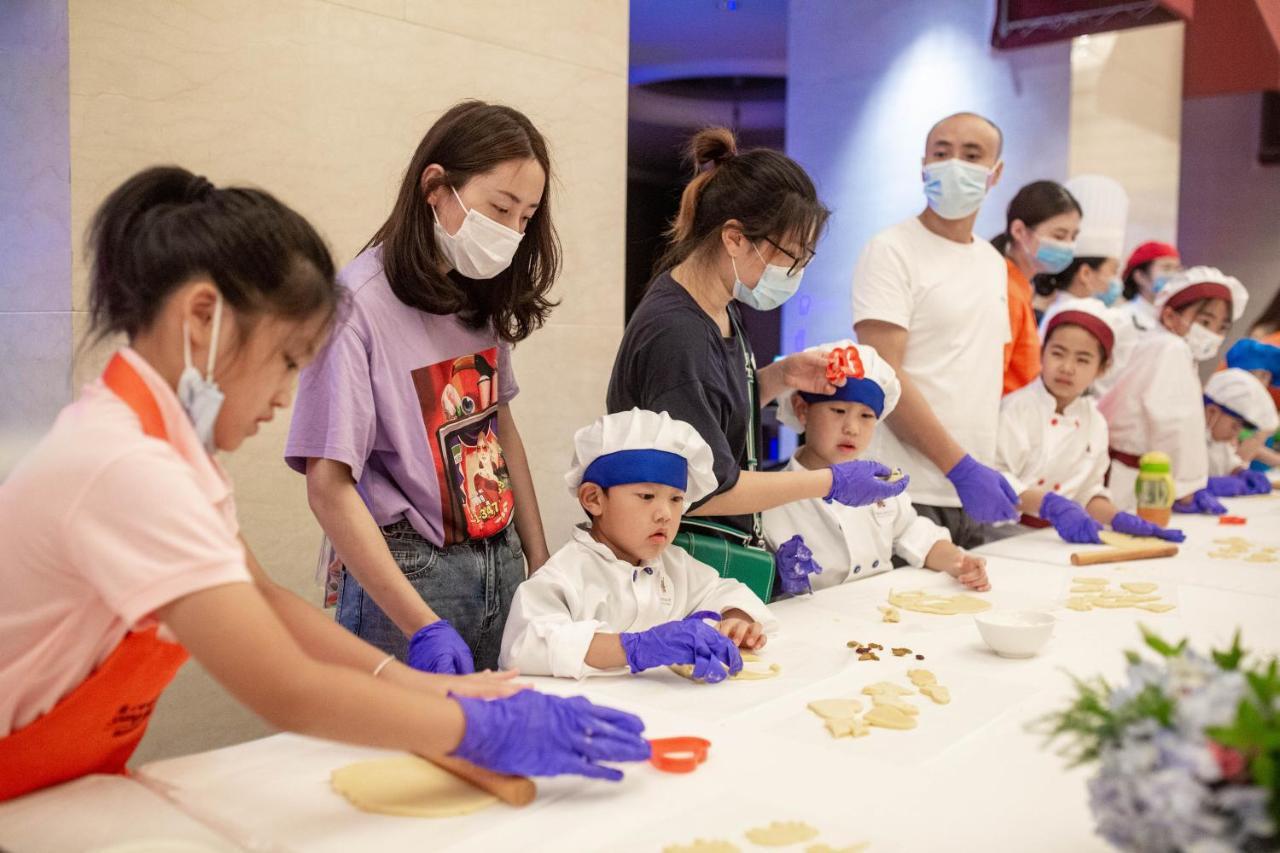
pixel 886 688
pixel 1139 587
pixel 895 702
pixel 701 845
pixel 836 709
pixel 921 677
pixel 781 833
pixel 937 693
pixel 849 727
pixel 889 717
pixel 924 601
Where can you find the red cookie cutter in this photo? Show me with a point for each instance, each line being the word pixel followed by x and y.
pixel 1232 519
pixel 678 754
pixel 844 363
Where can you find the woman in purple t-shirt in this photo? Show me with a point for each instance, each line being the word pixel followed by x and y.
pixel 414 466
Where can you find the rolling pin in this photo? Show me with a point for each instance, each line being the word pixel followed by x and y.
pixel 1119 555
pixel 512 790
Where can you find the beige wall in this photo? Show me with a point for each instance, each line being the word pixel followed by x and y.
pixel 322 102
pixel 1126 121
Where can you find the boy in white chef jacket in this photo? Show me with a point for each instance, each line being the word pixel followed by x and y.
pixel 1052 446
pixel 1156 402
pixel 1236 402
pixel 819 544
pixel 619 595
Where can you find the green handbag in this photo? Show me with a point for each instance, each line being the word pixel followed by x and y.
pixel 735 553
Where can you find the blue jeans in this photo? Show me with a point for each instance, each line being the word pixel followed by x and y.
pixel 470 584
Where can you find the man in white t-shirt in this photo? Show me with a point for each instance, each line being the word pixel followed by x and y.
pixel 931 298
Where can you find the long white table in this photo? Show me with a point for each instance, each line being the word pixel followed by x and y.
pixel 970 776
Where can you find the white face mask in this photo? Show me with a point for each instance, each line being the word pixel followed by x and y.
pixel 200 396
pixel 481 248
pixel 1204 343
pixel 955 188
pixel 774 287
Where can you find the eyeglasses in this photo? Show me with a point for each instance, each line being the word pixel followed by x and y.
pixel 797 263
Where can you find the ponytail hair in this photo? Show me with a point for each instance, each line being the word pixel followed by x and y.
pixel 765 190
pixel 166 226
pixel 1034 203
pixel 1046 284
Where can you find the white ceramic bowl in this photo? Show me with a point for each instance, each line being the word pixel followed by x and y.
pixel 1015 633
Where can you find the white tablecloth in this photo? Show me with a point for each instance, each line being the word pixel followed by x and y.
pixel 970 776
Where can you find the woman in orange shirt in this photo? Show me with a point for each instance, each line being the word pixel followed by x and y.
pixel 1041 226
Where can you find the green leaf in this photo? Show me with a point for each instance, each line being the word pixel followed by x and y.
pixel 1263 770
pixel 1158 645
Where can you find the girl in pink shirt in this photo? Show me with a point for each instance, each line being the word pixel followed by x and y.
pixel 122 551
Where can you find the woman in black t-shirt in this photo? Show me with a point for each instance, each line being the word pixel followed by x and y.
pixel 745 231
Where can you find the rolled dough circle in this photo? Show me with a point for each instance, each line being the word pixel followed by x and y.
pixel 408 786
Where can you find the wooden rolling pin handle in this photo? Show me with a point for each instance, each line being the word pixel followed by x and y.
pixel 1120 555
pixel 512 790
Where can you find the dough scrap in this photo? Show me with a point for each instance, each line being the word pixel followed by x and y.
pixel 851 727
pixel 889 717
pixel 894 702
pixel 923 601
pixel 1163 607
pixel 836 709
pixel 939 694
pixel 1124 540
pixel 1090 581
pixel 408 786
pixel 700 845
pixel 685 670
pixel 886 688
pixel 1081 604
pixel 921 677
pixel 1140 588
pixel 781 833
pixel 827 848
pixel 891 614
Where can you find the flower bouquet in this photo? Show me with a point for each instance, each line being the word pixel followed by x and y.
pixel 1187 750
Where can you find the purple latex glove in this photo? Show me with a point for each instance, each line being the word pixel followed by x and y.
pixel 684 641
pixel 795 564
pixel 1201 502
pixel 1134 526
pixel 1070 520
pixel 1229 486
pixel 439 648
pixel 984 494
pixel 861 482
pixel 1255 482
pixel 533 734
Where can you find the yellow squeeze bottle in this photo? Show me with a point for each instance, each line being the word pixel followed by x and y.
pixel 1154 488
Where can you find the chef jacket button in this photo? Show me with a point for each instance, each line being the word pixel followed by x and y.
pixel 876 564
pixel 1057 487
pixel 1054 422
pixel 857 569
pixel 1040 482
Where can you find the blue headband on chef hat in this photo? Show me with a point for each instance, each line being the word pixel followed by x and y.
pixel 638 466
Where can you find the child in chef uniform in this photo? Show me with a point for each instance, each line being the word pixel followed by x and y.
pixel 1157 402
pixel 1052 445
pixel 1236 402
pixel 820 544
pixel 619 595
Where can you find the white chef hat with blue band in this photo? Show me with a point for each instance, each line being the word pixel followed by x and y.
pixel 877 388
pixel 640 446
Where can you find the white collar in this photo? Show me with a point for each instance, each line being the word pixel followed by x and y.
pixel 1075 409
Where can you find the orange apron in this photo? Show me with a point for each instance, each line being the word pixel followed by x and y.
pixel 97 726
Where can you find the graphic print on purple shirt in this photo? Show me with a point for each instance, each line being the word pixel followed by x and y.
pixel 459 400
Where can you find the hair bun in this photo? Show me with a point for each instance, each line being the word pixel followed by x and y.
pixel 198 189
pixel 712 145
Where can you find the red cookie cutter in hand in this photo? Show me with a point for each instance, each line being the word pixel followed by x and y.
pixel 1232 519
pixel 678 754
pixel 844 363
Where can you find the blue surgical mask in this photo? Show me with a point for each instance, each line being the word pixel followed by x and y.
pixel 200 396
pixel 954 188
pixel 774 287
pixel 1053 257
pixel 1159 283
pixel 1109 296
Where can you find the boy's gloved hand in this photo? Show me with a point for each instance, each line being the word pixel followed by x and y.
pixel 1229 486
pixel 1255 482
pixel 1201 502
pixel 684 641
pixel 1070 520
pixel 533 734
pixel 1135 526
pixel 439 648
pixel 984 494
pixel 795 564
pixel 860 482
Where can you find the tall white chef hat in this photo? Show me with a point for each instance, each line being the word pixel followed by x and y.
pixel 1198 283
pixel 869 380
pixel 1105 210
pixel 1241 394
pixel 640 446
